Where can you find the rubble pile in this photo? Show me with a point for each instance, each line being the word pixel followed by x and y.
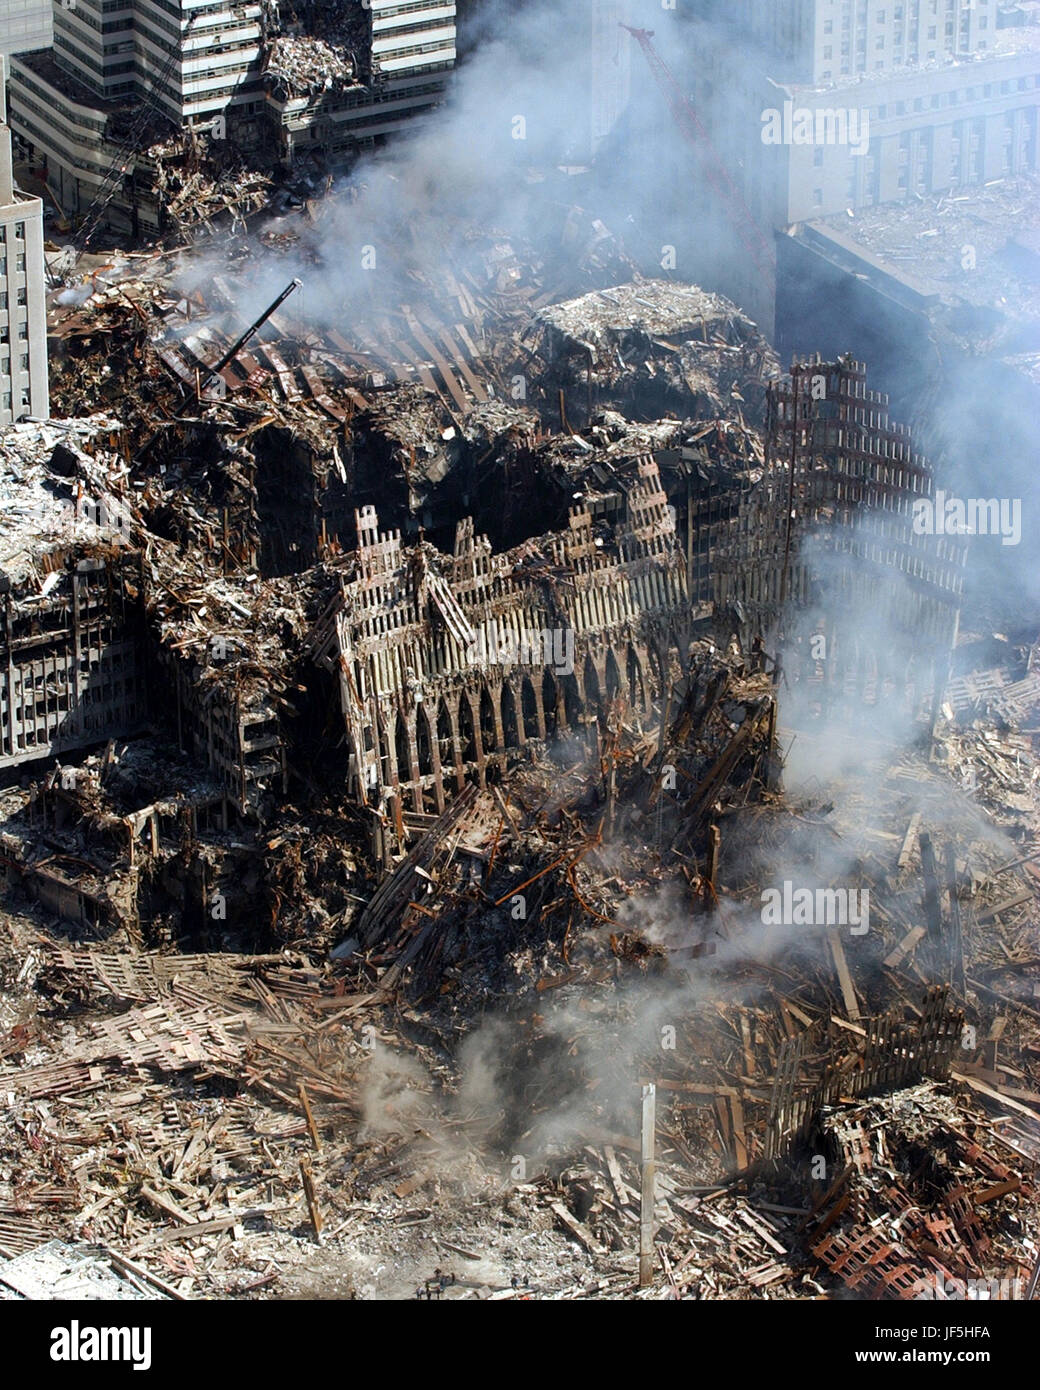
pixel 315 48
pixel 654 348
pixel 254 1104
pixel 204 184
pixel 398 803
pixel 305 65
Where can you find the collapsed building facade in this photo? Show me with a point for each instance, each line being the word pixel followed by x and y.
pixel 74 668
pixel 830 534
pixel 454 642
pixel 405 673
pixel 447 666
pixel 451 622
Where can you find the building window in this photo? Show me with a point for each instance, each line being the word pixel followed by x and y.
pixel 25 398
pixel 19 261
pixel 24 359
pixel 7 400
pixel 20 296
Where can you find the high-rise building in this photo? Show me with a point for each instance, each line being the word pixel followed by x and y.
pixel 817 41
pixel 818 107
pixel 610 76
pixel 23 307
pixel 269 75
pixel 905 99
pixel 341 85
pixel 24 24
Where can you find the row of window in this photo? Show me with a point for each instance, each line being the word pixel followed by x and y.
pixel 939 99
pixel 53 104
pixel 216 43
pixel 221 7
pixel 382 117
pixel 43 139
pixel 412 8
pixel 827 75
pixel 403 30
pixel 917 165
pixel 100 26
pixel 898 12
pixel 392 55
pixel 882 40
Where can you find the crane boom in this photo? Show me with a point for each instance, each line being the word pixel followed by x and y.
pixel 243 338
pixel 690 127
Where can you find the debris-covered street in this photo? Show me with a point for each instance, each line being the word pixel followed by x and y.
pixel 509 790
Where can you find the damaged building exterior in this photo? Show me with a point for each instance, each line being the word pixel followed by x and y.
pixel 122 93
pixel 510 787
pixel 410 698
pixel 448 666
pixel 828 534
pixel 73 659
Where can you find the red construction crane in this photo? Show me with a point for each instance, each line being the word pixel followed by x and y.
pixel 686 118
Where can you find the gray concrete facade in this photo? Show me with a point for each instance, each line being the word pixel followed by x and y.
pixel 23 306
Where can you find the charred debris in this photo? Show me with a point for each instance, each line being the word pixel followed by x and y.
pixel 394 732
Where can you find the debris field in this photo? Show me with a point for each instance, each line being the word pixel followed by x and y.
pixel 406 719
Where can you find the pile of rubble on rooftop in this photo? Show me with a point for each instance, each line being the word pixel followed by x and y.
pixel 315 48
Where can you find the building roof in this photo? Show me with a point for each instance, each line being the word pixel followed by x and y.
pixel 1005 43
pixel 977 247
pixel 41 62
